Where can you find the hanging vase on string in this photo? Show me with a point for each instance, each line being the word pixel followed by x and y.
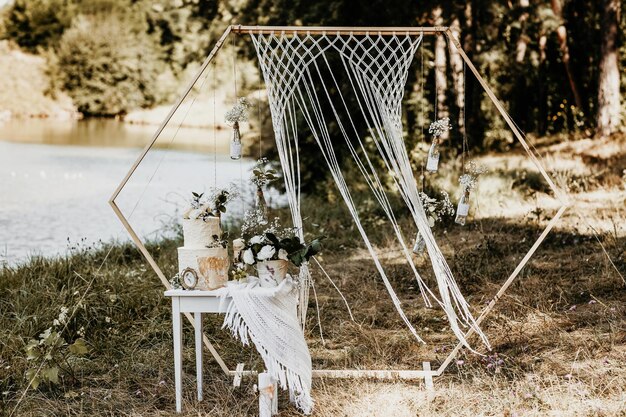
pixel 435 210
pixel 262 175
pixel 239 113
pixel 468 182
pixel 437 129
pixel 235 143
pixel 432 164
pixel 260 203
pixel 420 244
pixel 462 209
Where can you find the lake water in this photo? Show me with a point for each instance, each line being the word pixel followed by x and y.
pixel 56 179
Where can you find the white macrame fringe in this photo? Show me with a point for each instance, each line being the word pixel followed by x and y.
pixel 295 380
pixel 377 68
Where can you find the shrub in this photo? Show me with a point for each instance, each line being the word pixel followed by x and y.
pixel 108 65
pixel 34 24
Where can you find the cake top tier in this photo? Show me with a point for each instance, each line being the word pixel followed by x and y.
pixel 202 232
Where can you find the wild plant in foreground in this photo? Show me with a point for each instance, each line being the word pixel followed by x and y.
pixel 50 354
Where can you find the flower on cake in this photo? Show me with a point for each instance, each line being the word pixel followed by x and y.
pixel 213 205
pixel 282 254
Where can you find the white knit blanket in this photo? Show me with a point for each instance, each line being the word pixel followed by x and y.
pixel 267 317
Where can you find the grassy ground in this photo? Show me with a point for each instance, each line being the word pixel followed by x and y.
pixel 558 336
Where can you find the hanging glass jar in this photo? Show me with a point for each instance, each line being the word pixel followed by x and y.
pixel 235 143
pixel 420 244
pixel 260 203
pixel 462 209
pixel 433 156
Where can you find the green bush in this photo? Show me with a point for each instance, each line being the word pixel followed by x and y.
pixel 34 24
pixel 108 65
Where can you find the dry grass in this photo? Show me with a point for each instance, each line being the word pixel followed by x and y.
pixel 558 336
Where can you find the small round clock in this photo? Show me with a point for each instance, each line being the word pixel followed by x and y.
pixel 189 278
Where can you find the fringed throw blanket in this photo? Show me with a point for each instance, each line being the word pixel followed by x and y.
pixel 267 317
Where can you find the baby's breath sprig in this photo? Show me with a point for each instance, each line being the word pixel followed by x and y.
pixel 239 112
pixel 439 127
pixel 435 209
pixel 469 180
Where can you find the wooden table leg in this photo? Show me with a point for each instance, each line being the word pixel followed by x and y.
pixel 198 337
pixel 178 352
pixel 265 386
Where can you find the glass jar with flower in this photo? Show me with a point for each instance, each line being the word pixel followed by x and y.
pixel 437 129
pixel 262 175
pixel 435 211
pixel 468 182
pixel 236 115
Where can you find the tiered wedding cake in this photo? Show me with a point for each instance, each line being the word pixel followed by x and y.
pixel 202 250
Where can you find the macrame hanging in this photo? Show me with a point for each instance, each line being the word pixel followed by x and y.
pixel 302 82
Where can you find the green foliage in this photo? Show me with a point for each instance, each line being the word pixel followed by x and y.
pixel 220 201
pixel 295 251
pixel 183 29
pixel 132 53
pixel 50 354
pixel 34 24
pixel 108 66
pixel 114 55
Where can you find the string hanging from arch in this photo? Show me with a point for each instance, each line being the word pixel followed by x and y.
pixel 301 82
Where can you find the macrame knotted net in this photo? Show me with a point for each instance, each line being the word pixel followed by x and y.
pixel 306 77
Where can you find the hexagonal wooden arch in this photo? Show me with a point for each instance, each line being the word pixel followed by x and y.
pixel 426 373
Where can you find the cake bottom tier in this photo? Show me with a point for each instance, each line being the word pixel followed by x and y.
pixel 211 265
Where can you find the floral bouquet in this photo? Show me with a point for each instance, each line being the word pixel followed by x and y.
pixel 239 112
pixel 468 182
pixel 262 173
pixel 435 211
pixel 439 127
pixel 211 206
pixel 469 179
pixel 436 129
pixel 270 248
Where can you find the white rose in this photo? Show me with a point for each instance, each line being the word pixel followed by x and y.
pixel 248 256
pixel 256 239
pixel 266 252
pixel 282 254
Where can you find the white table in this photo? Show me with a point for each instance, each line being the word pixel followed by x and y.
pixel 196 302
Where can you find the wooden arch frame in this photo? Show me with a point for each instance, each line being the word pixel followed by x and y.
pixel 426 372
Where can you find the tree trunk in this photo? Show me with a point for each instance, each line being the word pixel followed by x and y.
pixel 441 83
pixel 456 64
pixel 562 35
pixel 522 42
pixel 608 116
